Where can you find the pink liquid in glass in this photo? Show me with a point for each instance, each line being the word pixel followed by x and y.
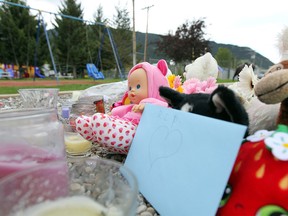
pixel 15 157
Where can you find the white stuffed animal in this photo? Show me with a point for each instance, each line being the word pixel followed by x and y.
pixel 203 67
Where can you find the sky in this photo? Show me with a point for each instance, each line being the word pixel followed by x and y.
pixel 247 23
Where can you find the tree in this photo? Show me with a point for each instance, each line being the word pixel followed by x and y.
pixel 18 35
pixel 187 44
pixel 102 52
pixel 69 38
pixel 122 30
pixel 224 57
pixel 94 35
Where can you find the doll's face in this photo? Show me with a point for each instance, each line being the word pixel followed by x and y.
pixel 138 86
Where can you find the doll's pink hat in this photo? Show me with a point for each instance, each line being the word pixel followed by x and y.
pixel 156 76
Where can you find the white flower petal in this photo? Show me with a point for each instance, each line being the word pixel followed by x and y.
pixel 247 81
pixel 259 135
pixel 280 153
pixel 276 143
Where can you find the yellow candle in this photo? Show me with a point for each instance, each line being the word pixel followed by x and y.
pixel 70 206
pixel 76 144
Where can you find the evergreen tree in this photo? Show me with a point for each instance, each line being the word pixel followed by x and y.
pixel 103 50
pixel 70 38
pixel 18 31
pixel 187 44
pixel 94 34
pixel 41 53
pixel 123 36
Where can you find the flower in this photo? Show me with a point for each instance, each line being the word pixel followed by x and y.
pixel 278 143
pixel 194 85
pixel 247 82
pixel 259 135
pixel 175 82
pixel 244 88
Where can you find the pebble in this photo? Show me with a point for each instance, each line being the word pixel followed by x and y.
pixel 151 210
pixel 141 208
pixel 146 213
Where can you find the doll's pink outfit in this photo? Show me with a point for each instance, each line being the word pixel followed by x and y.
pixel 116 132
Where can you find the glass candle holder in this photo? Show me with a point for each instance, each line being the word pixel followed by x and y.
pixel 76 145
pixel 39 97
pixel 29 137
pixel 84 186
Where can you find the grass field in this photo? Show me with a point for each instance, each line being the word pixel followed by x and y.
pixel 12 86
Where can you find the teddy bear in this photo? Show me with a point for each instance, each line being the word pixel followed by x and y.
pixel 203 67
pixel 258 183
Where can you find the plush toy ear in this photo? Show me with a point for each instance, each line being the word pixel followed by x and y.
pixel 174 98
pixel 224 100
pixel 163 67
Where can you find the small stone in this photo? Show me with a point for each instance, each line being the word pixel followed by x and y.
pixel 141 208
pixel 77 187
pixel 151 210
pixel 88 169
pixel 146 213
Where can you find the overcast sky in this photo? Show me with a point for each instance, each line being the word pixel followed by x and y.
pixel 246 23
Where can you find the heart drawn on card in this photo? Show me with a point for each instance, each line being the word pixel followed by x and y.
pixel 164 143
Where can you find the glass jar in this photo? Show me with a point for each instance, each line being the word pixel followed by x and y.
pixel 39 97
pixel 97 100
pixel 29 137
pixel 79 109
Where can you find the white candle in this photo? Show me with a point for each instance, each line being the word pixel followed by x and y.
pixel 76 144
pixel 70 206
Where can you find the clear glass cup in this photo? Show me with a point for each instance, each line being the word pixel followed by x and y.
pixel 84 186
pixel 76 145
pixel 29 137
pixel 39 97
pixel 79 109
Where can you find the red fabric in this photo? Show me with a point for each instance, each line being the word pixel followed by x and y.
pixel 255 181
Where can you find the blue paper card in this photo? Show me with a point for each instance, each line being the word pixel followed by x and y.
pixel 182 161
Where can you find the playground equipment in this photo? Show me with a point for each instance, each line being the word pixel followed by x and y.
pixel 93 69
pixel 37 70
pixel 115 52
pixel 6 74
pixel 94 72
pixel 37 73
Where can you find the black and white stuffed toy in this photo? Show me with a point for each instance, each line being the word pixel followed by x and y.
pixel 221 104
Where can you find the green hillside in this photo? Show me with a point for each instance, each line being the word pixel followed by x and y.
pixel 241 53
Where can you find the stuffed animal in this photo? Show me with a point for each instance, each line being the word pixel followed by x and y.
pixel 220 104
pixel 258 183
pixel 261 115
pixel 203 67
pixel 115 131
pixel 240 68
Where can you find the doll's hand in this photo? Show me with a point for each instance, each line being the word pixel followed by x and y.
pixel 138 108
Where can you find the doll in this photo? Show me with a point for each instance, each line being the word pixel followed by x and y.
pixel 115 131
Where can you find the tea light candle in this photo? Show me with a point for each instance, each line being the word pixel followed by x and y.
pixel 76 144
